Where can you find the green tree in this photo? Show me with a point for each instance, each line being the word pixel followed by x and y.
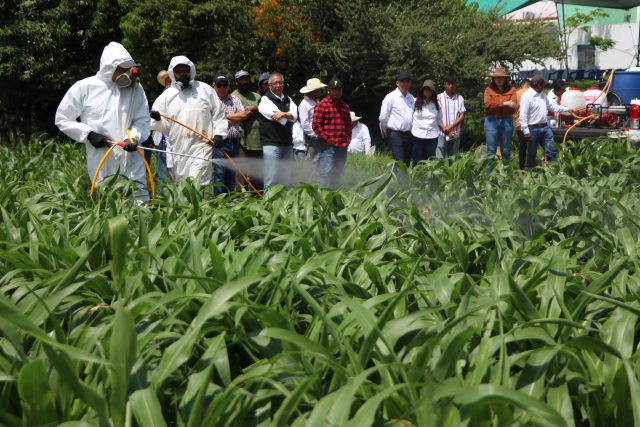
pixel 45 46
pixel 216 36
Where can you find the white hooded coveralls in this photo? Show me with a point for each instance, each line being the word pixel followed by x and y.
pixel 105 108
pixel 198 107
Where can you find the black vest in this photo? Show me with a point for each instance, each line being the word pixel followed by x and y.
pixel 271 132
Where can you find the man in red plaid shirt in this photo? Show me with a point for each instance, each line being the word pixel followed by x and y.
pixel 332 123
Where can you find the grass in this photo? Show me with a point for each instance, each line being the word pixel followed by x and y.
pixel 452 299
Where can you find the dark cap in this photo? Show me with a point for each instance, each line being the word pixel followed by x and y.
pixel 219 79
pixel 334 83
pixel 403 76
pixel 263 77
pixel 537 79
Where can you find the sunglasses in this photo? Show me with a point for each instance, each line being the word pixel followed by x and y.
pixel 222 84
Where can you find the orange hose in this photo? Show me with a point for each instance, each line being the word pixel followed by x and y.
pixel 210 141
pixel 605 91
pixel 574 125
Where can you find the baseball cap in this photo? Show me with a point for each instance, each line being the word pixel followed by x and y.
pixel 403 76
pixel 334 83
pixel 220 78
pixel 241 73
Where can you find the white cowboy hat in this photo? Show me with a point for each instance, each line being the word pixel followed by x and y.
pixel 312 84
pixel 354 118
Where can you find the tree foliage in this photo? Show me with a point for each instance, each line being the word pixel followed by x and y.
pixel 47 45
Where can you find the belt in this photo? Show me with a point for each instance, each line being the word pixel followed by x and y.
pixel 539 125
pixel 299 151
pixel 402 132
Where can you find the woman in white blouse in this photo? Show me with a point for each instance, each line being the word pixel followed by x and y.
pixel 425 125
pixel 360 137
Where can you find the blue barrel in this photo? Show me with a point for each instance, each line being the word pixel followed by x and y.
pixel 626 84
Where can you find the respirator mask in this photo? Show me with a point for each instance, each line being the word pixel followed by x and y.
pixel 124 80
pixel 184 81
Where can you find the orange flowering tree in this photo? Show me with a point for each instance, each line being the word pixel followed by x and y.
pixel 284 38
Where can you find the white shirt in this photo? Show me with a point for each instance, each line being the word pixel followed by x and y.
pixel 266 107
pixel 360 140
pixel 396 112
pixel 451 107
pixel 425 122
pixel 534 107
pixel 305 113
pixel 298 137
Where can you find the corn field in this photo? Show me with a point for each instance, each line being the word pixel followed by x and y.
pixel 448 299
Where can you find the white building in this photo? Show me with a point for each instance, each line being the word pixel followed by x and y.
pixel 621 26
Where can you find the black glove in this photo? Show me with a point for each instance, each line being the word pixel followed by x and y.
pixel 155 115
pixel 97 139
pixel 217 141
pixel 130 147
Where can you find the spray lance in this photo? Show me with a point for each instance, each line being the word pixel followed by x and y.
pixel 157 116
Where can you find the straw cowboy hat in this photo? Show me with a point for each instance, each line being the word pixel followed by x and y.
pixel 312 84
pixel 354 118
pixel 500 72
pixel 162 76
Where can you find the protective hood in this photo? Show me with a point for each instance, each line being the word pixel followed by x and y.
pixel 113 56
pixel 177 60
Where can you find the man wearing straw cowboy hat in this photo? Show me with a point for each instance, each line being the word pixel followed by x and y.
pixel 312 92
pixel 160 140
pixel 108 105
pixel 360 137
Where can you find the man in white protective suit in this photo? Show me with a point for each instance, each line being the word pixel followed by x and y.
pixel 196 105
pixel 108 104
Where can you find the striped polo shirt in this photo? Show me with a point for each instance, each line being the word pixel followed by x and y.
pixel 450 108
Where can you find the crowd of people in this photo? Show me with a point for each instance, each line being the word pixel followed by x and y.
pixel 194 123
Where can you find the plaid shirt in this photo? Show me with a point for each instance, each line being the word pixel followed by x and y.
pixel 232 105
pixel 332 122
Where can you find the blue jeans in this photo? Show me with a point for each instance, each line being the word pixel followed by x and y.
pixel 498 131
pixel 161 160
pixel 224 178
pixel 400 143
pixel 331 161
pixel 300 155
pixel 544 138
pixel 277 164
pixel 447 148
pixel 423 149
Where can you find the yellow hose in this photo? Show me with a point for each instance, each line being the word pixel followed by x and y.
pixel 150 182
pixel 95 176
